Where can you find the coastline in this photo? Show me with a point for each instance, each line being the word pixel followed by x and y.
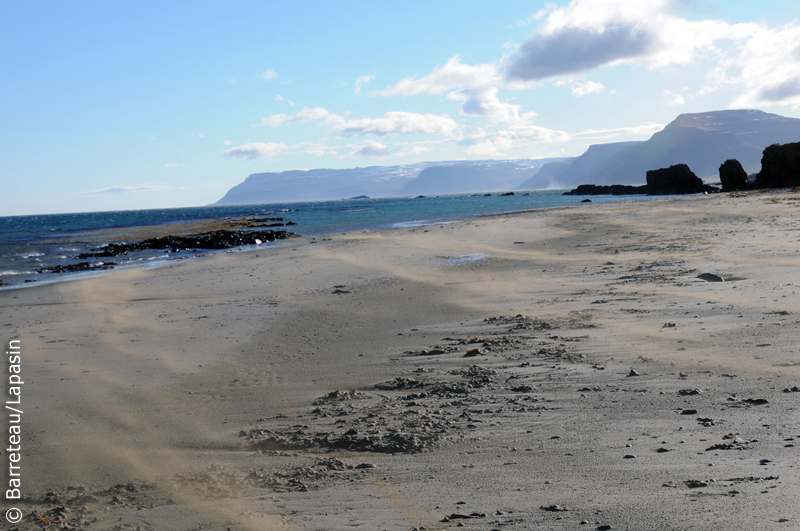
pixel 198 382
pixel 34 244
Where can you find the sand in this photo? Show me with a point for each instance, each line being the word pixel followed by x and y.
pixel 555 369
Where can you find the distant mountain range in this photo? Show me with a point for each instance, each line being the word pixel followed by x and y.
pixel 385 181
pixel 701 140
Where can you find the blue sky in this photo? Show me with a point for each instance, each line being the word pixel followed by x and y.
pixel 123 105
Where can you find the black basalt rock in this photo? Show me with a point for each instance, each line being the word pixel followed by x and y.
pixel 217 239
pixel 677 179
pixel 614 189
pixel 732 176
pixel 780 166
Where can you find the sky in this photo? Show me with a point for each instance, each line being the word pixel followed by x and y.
pixel 114 105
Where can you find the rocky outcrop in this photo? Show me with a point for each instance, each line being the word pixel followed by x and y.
pixel 732 176
pixel 677 179
pixel 79 267
pixel 614 189
pixel 217 239
pixel 780 166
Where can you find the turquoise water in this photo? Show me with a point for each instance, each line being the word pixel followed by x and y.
pixel 30 243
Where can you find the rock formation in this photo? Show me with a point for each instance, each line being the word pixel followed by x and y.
pixel 732 176
pixel 780 166
pixel 677 179
pixel 614 189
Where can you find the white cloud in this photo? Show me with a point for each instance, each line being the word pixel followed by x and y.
pixel 256 150
pixel 518 136
pixel 486 103
pixel 674 99
pixel 589 87
pixel 415 149
pixel 392 123
pixel 268 74
pixel 227 142
pixel 372 149
pixel 453 75
pixel 580 89
pixel 644 129
pixel 315 149
pixel 306 115
pixel 117 190
pixel 172 165
pixel 497 144
pixel 770 68
pixel 363 80
pixel 278 97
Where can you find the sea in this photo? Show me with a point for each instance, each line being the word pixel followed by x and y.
pixel 29 245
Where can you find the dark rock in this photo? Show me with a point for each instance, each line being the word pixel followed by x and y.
pixel 614 189
pixel 81 266
pixel 710 277
pixel 689 412
pixel 677 179
pixel 727 446
pixel 780 166
pixel 456 516
pixel 586 201
pixel 400 383
pixel 689 392
pixel 507 194
pixel 553 508
pixel 732 176
pixel 217 239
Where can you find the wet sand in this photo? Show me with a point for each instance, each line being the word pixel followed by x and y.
pixel 556 369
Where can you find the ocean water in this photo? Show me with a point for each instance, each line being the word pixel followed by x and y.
pixel 30 243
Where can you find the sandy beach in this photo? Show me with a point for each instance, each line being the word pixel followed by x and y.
pixel 555 369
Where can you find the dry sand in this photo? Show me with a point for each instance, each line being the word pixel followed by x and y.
pixel 323 383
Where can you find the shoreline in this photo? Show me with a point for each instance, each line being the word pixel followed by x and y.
pixel 316 219
pixel 243 387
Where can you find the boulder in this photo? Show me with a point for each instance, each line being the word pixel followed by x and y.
pixel 732 176
pixel 780 166
pixel 677 179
